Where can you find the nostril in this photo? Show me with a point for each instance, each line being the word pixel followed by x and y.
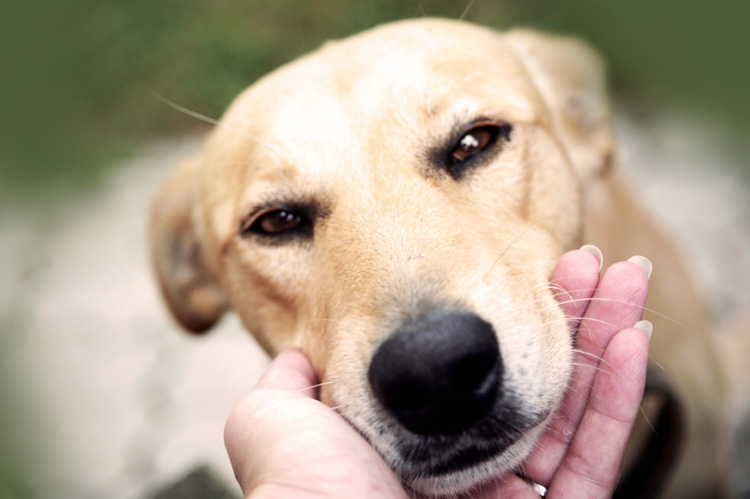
pixel 439 373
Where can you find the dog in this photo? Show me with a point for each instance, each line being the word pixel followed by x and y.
pixel 373 200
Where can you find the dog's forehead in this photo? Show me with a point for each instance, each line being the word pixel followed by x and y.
pixel 401 74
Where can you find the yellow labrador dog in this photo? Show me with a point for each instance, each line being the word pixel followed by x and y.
pixel 393 205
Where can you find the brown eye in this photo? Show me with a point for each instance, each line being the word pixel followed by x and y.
pixel 473 142
pixel 480 137
pixel 277 222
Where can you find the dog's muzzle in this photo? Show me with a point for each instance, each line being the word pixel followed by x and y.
pixel 444 404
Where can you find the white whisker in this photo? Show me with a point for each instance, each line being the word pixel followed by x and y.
pixel 466 11
pixel 519 236
pixel 215 122
pixel 312 387
pixel 421 7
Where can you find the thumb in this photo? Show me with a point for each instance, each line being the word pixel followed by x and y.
pixel 282 442
pixel 284 390
pixel 290 371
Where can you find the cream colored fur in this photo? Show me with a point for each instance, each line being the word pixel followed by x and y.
pixel 350 127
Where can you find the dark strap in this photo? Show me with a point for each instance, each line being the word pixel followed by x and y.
pixel 656 461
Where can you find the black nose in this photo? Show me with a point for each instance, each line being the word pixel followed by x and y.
pixel 439 373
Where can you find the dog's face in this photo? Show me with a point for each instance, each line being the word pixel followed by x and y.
pixel 393 205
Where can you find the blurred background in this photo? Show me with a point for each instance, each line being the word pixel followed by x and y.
pixel 100 394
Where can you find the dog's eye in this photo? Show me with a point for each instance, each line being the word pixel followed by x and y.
pixel 479 138
pixel 471 143
pixel 277 222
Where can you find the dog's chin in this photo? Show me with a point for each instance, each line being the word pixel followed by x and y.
pixel 466 479
pixel 451 465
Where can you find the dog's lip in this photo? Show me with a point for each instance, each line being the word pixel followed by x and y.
pixel 454 480
pixel 442 455
pixel 482 452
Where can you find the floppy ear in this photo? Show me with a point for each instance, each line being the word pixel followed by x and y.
pixel 569 77
pixel 191 290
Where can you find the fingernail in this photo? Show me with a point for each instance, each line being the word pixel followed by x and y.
pixel 590 248
pixel 643 263
pixel 645 326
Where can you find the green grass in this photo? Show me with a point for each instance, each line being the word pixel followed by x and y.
pixel 79 76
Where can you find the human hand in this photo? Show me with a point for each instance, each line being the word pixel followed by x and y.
pixel 580 453
pixel 283 442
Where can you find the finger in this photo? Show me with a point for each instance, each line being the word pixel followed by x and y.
pixel 617 304
pixel 290 371
pixel 592 464
pixel 288 381
pixel 574 281
pixel 247 428
pixel 283 443
pixel 294 446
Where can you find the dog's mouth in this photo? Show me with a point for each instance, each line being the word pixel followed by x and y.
pixel 445 417
pixel 485 441
pixel 445 464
